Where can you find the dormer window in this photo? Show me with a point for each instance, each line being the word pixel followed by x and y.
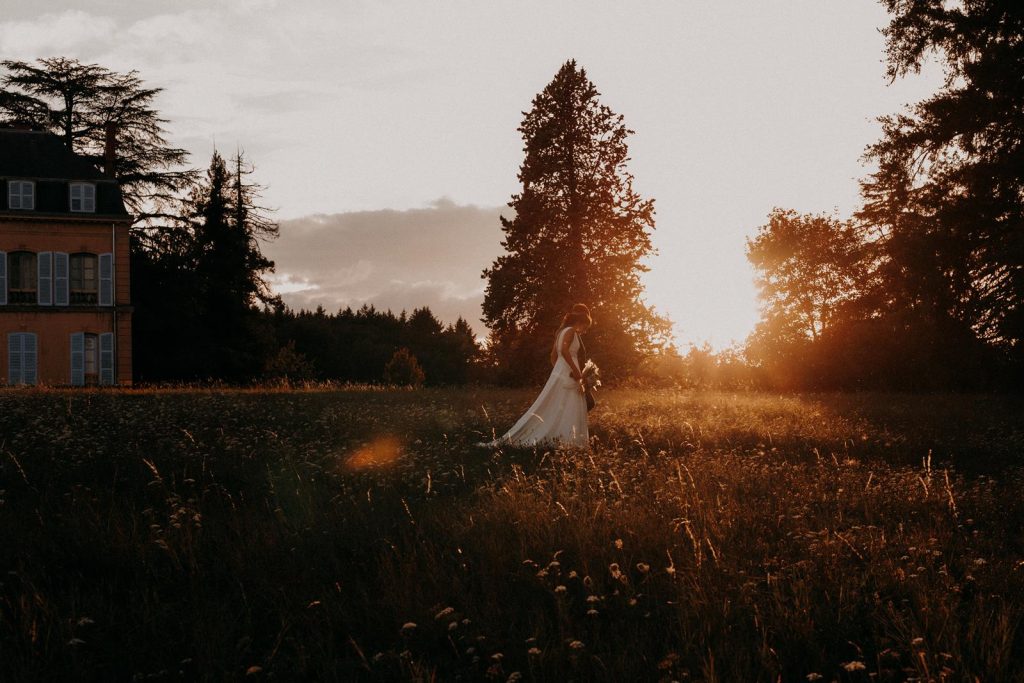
pixel 21 194
pixel 83 197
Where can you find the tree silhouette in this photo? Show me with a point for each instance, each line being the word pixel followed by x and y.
pixel 948 195
pixel 809 268
pixel 403 369
pixel 200 286
pixel 578 235
pixel 814 271
pixel 79 102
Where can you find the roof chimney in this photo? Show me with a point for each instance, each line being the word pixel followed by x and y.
pixel 110 150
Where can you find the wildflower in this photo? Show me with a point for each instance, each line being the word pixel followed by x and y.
pixel 515 677
pixel 533 651
pixel 446 612
pixel 593 598
pixel 560 589
pixel 592 613
pixel 408 627
pixel 813 676
pixel 253 670
pixel 452 626
pixel 618 544
pixel 86 621
pixel 577 645
pixel 854 666
pixel 643 567
pixel 917 642
pixel 614 569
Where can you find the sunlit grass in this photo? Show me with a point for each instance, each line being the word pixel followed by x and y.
pixel 349 534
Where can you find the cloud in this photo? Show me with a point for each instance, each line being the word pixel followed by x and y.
pixel 392 259
pixel 53 34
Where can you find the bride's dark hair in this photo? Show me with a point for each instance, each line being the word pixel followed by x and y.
pixel 579 314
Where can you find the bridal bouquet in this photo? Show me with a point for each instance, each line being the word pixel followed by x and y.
pixel 591 376
pixel 591 381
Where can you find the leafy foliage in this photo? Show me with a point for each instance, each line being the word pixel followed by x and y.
pixel 579 234
pixel 403 369
pixel 810 267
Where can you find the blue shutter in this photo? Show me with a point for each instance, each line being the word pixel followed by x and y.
pixel 60 279
pixel 44 270
pixel 77 359
pixel 107 358
pixel 106 279
pixel 29 358
pixel 3 278
pixel 14 358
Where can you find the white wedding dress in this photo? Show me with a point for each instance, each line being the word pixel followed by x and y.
pixel 559 415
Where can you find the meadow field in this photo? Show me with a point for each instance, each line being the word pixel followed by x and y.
pixel 358 534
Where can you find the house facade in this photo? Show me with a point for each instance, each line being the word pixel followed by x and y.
pixel 65 304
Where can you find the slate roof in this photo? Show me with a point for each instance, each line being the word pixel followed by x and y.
pixel 42 157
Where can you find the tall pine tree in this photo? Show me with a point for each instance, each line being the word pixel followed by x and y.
pixel 579 234
pixel 948 193
pixel 201 285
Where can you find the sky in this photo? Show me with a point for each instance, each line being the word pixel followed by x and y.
pixel 385 132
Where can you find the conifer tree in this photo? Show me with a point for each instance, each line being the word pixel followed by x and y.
pixel 579 234
pixel 81 103
pixel 948 192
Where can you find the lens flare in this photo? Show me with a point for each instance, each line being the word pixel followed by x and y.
pixel 381 451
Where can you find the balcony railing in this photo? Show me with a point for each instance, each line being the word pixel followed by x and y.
pixel 29 297
pixel 21 296
pixel 84 298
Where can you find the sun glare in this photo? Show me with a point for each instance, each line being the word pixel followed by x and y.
pixel 383 450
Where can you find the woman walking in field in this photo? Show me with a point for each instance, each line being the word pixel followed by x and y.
pixel 559 415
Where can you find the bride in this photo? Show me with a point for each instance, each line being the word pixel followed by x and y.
pixel 559 415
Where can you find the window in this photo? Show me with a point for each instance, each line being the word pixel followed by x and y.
pixel 84 279
pixel 92 358
pixel 21 194
pixel 91 365
pixel 83 197
pixel 22 358
pixel 21 277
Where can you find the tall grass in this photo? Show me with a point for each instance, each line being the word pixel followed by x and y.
pixel 358 535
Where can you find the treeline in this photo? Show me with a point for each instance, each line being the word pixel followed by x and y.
pixel 204 311
pixel 367 345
